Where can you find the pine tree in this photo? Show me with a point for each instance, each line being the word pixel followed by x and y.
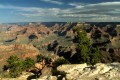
pixel 95 55
pixel 85 53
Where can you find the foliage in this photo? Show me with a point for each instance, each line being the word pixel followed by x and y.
pixel 16 65
pixel 13 59
pixel 95 55
pixel 28 63
pixel 56 73
pixel 60 61
pixel 57 63
pixel 40 58
pixel 47 60
pixel 85 52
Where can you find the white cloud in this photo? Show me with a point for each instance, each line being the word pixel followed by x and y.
pixel 33 12
pixel 53 1
pixel 97 12
pixel 108 3
pixel 77 5
pixel 107 11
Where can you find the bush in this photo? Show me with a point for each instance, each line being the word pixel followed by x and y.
pixel 60 61
pixel 48 60
pixel 28 63
pixel 40 58
pixel 57 63
pixel 15 66
pixel 12 60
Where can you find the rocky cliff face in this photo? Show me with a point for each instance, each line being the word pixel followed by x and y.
pixel 99 71
pixel 21 34
pixel 105 36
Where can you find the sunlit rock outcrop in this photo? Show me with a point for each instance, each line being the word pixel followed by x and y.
pixel 100 71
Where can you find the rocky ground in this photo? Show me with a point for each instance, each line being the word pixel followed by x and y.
pixel 100 71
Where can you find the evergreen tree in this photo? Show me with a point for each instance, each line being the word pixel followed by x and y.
pixel 85 52
pixel 95 55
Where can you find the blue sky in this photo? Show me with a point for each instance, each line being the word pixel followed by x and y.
pixel 59 10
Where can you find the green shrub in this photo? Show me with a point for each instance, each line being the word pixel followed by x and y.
pixel 28 63
pixel 16 65
pixel 60 61
pixel 40 58
pixel 12 60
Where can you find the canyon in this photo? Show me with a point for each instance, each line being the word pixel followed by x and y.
pixel 55 40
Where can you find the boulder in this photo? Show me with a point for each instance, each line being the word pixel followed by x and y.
pixel 68 68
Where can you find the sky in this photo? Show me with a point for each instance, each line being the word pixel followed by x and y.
pixel 59 11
